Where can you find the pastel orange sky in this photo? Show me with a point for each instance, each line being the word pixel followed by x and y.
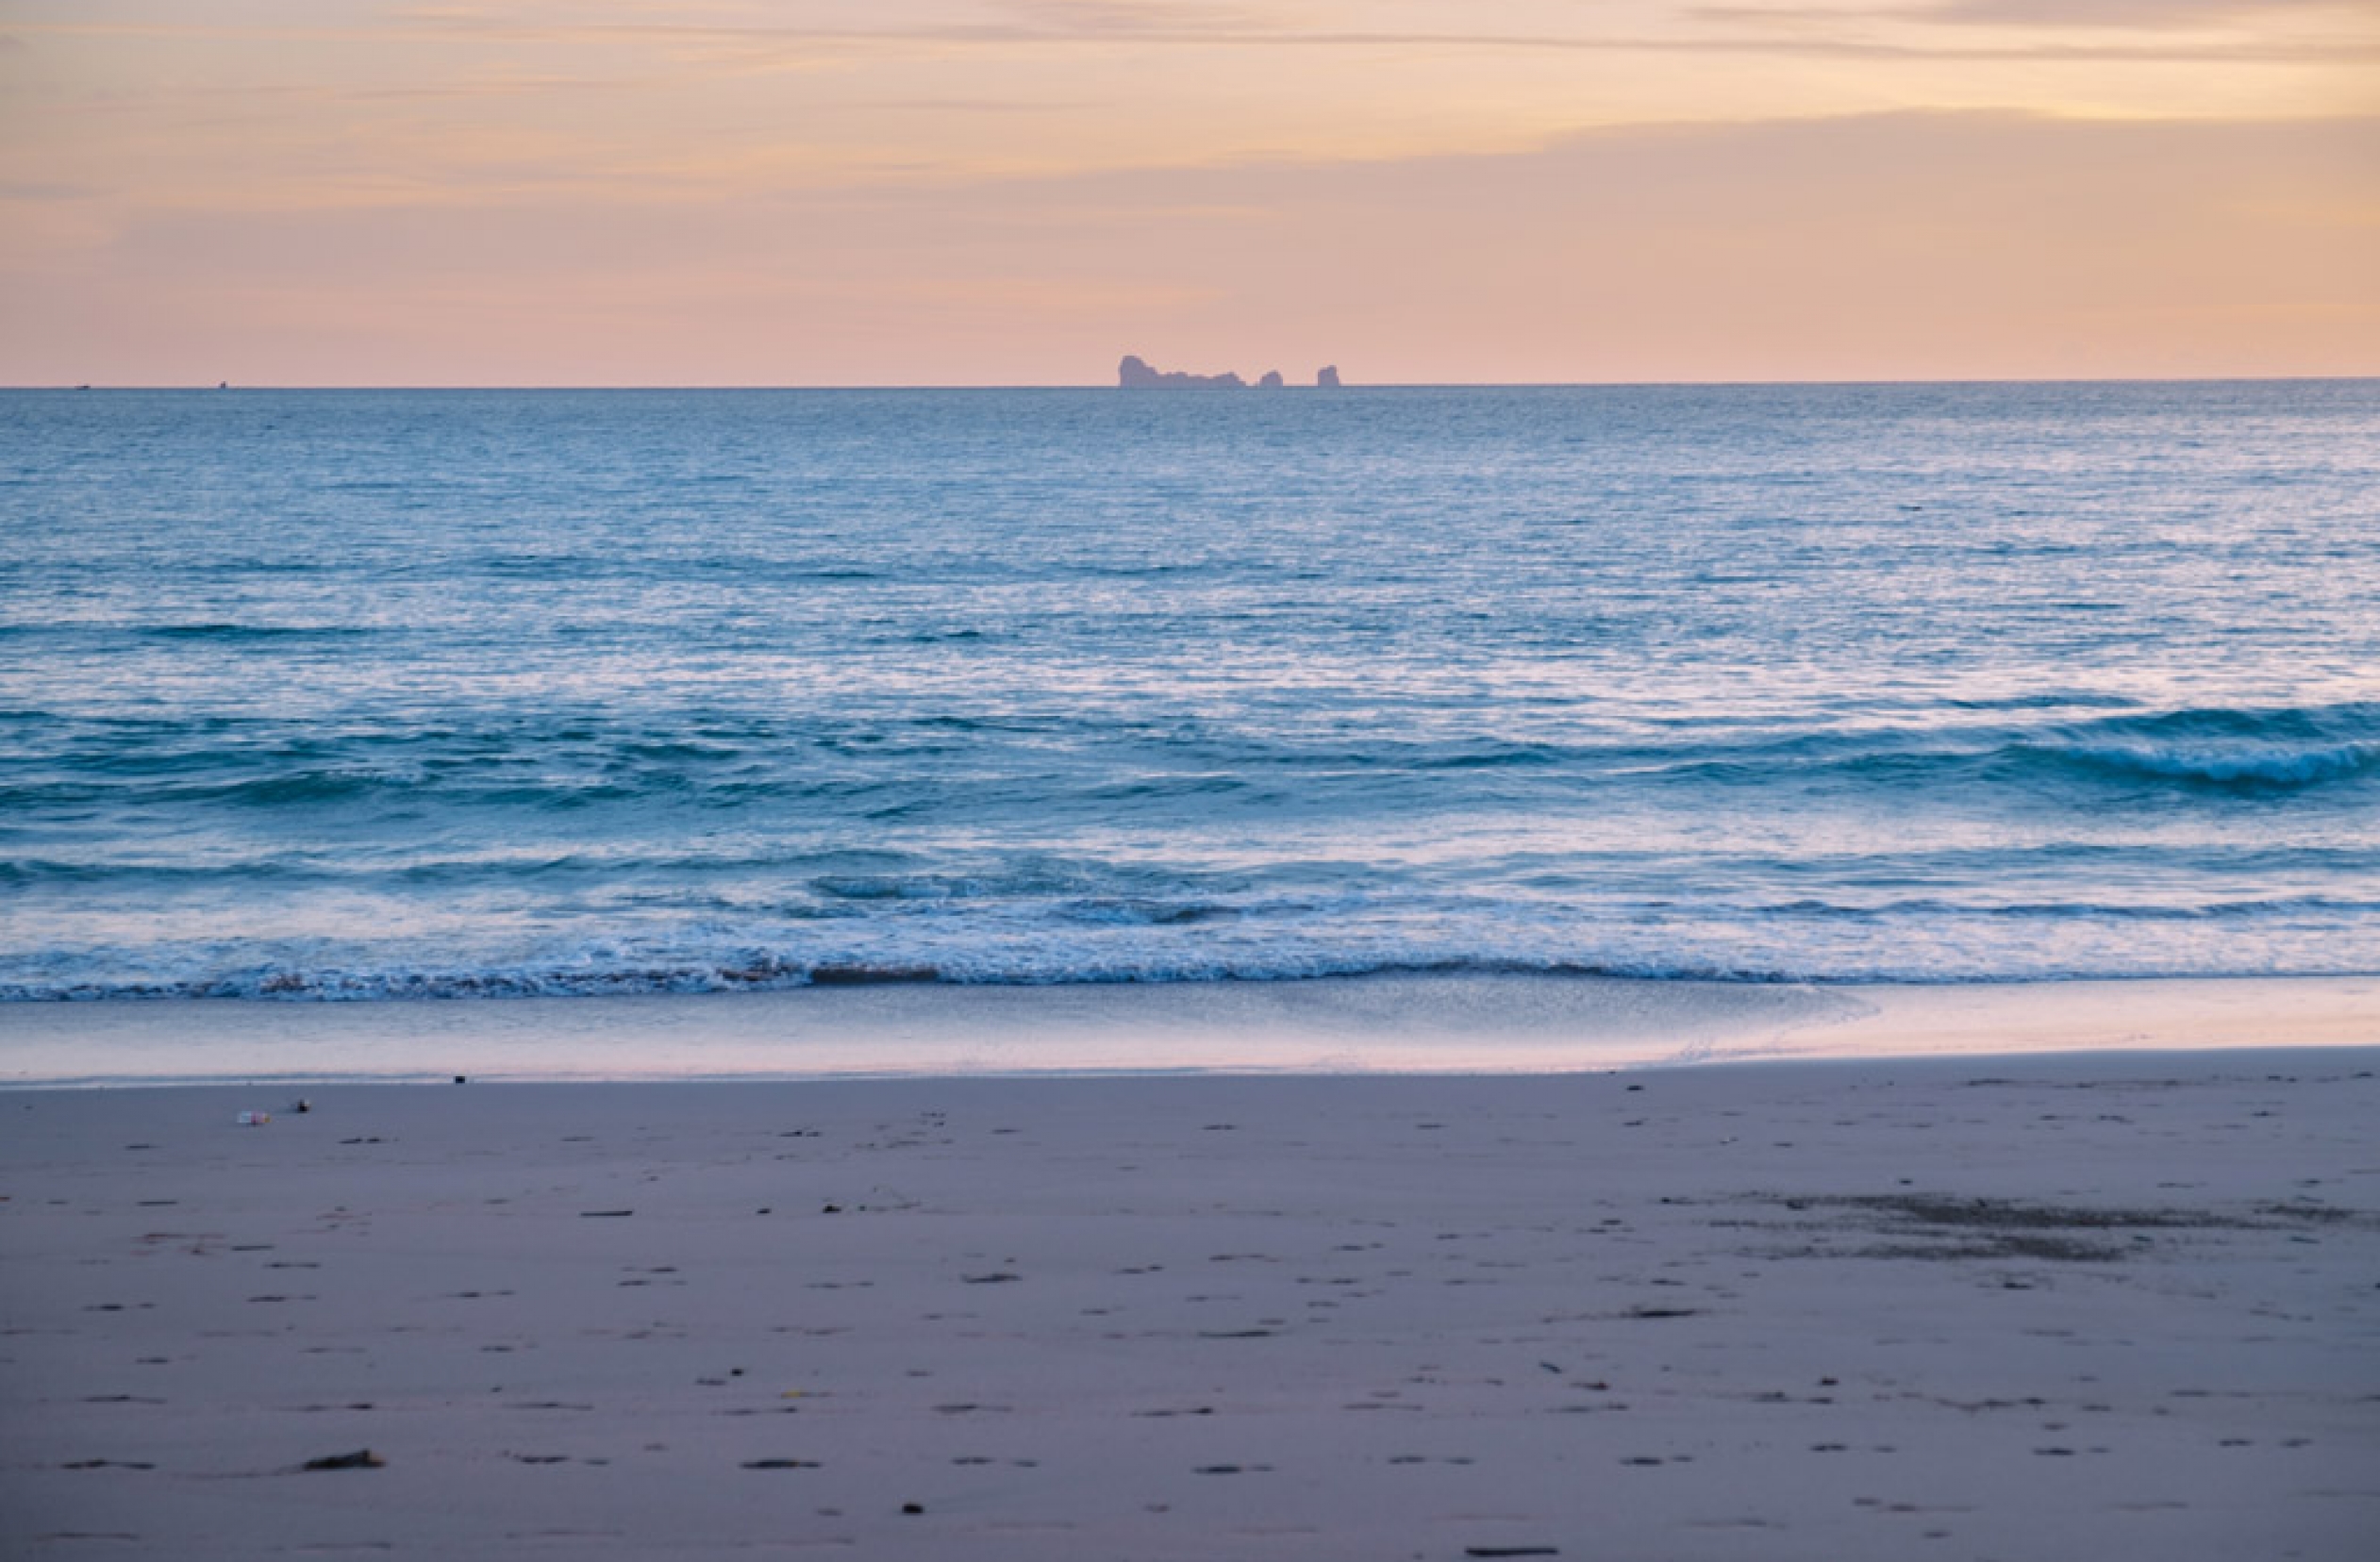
pixel 1016 192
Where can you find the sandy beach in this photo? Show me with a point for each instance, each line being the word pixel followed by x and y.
pixel 2019 1308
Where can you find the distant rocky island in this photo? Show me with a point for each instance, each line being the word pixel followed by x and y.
pixel 1134 374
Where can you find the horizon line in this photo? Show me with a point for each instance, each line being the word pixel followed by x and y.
pixel 690 387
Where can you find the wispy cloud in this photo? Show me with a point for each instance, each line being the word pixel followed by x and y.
pixel 2152 15
pixel 1815 23
pixel 973 106
pixel 1894 245
pixel 1785 34
pixel 1277 160
pixel 46 190
pixel 1110 18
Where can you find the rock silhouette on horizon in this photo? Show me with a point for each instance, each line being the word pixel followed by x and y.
pixel 1136 374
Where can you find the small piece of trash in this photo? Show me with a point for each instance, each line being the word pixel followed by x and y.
pixel 362 1458
pixel 255 1120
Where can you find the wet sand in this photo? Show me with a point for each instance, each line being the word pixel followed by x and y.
pixel 1443 1022
pixel 2017 1307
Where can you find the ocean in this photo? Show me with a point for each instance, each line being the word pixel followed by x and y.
pixel 383 695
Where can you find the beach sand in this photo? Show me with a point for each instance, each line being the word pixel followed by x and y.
pixel 2037 1307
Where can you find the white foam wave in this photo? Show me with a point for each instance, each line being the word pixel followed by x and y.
pixel 1924 941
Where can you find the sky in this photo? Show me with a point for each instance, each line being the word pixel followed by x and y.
pixel 1020 192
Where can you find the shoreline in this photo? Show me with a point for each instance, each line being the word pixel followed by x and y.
pixel 2048 1306
pixel 1392 1023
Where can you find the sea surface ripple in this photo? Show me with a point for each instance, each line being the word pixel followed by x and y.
pixel 363 695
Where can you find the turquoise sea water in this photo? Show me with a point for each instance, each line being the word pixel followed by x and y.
pixel 323 694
